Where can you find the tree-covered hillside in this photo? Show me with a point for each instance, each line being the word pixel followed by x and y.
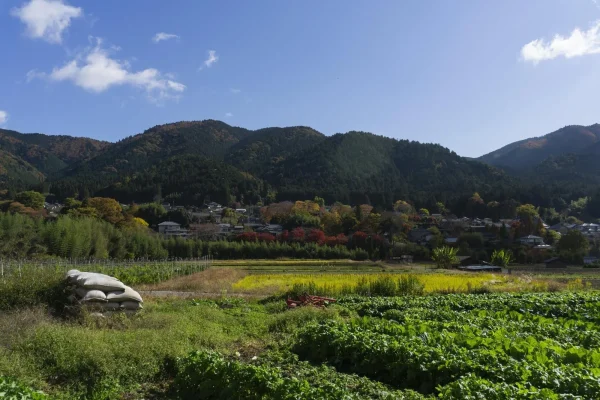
pixel 15 173
pixel 49 154
pixel 208 138
pixel 185 180
pixel 267 147
pixel 530 152
pixel 355 166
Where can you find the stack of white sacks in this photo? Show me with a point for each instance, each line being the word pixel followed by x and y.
pixel 103 292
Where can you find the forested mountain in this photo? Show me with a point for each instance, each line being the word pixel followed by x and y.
pixel 527 153
pixel 359 167
pixel 267 147
pixel 17 173
pixel 186 179
pixel 49 154
pixel 188 162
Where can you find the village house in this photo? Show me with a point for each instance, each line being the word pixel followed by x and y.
pixel 172 229
pixel 531 240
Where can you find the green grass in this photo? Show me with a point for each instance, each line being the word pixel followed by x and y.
pixel 92 358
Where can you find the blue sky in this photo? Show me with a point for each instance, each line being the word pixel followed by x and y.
pixel 471 75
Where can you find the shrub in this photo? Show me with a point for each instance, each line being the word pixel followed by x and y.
pixel 444 256
pixel 501 258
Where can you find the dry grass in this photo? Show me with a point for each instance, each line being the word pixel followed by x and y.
pixel 213 280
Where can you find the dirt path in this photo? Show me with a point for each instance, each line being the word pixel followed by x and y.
pixel 174 293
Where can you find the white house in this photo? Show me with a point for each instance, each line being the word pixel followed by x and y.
pixel 531 240
pixel 170 228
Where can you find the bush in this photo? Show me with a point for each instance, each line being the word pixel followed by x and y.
pixel 501 258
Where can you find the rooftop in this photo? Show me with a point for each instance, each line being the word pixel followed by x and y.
pixel 169 223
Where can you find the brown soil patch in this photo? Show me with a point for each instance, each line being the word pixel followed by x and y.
pixel 212 280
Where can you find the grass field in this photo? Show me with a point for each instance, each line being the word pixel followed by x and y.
pixel 444 346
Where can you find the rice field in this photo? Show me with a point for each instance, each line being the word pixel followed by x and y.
pixel 345 283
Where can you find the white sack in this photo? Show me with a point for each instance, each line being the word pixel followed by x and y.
pixel 91 280
pixel 90 295
pixel 127 294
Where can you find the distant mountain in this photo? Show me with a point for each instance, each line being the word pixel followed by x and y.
pixel 31 157
pixel 267 147
pixel 527 153
pixel 191 161
pixel 17 173
pixel 186 179
pixel 360 167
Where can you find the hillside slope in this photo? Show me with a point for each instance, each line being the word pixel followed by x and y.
pixel 530 152
pixel 47 153
pixel 17 173
pixel 359 166
pixel 266 147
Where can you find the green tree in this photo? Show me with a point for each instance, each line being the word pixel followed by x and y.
pixel 551 237
pixel 320 201
pixel 31 199
pixel 441 208
pixel 358 213
pixel 403 207
pixel 153 213
pixel 424 211
pixel 573 242
pixel 445 256
pixel 473 239
pixel 573 246
pixel 528 215
pixel 501 258
pixel 107 209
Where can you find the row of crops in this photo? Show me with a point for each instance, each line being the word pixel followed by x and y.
pixel 535 345
pixel 494 346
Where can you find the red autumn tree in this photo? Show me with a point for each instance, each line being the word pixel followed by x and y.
pixel 316 236
pixel 359 239
pixel 298 234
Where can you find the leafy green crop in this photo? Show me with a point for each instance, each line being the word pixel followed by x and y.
pixel 13 390
pixel 208 375
pixel 525 346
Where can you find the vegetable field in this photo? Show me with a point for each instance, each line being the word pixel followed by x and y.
pixel 497 346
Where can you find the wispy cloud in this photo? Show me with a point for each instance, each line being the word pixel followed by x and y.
pixel 95 70
pixel 596 3
pixel 235 91
pixel 47 19
pixel 34 74
pixel 3 117
pixel 164 36
pixel 212 58
pixel 228 115
pixel 579 43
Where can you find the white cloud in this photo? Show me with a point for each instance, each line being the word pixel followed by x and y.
pixel 579 43
pixel 212 58
pixel 164 36
pixel 235 91
pixel 33 74
pixel 96 71
pixel 3 117
pixel 228 115
pixel 47 19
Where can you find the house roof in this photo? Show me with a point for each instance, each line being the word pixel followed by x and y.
pixel 169 223
pixel 530 237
